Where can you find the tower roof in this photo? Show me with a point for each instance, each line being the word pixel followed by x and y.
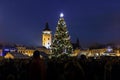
pixel 46 27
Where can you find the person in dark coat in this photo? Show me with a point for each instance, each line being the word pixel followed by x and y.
pixel 37 68
pixel 73 71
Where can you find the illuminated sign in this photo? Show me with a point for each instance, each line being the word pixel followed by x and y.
pixel 6 50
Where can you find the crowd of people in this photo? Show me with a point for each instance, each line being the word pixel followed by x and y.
pixel 61 68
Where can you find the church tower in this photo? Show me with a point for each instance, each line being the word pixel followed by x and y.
pixel 46 37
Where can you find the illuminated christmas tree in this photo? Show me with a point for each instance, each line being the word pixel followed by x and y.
pixel 61 41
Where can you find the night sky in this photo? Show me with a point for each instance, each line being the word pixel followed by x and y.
pixel 22 21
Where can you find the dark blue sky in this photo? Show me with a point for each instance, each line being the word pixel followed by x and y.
pixel 22 21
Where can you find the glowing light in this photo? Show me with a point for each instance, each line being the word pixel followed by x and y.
pixel 61 14
pixel 6 50
pixel 109 49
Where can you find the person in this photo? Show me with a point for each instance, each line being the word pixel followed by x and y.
pixel 107 70
pixel 73 71
pixel 37 68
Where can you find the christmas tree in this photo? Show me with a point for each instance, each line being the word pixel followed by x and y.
pixel 61 41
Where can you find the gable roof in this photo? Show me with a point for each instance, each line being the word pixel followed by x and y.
pixel 15 55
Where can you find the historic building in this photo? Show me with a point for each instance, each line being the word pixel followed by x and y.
pixel 46 37
pixel 25 50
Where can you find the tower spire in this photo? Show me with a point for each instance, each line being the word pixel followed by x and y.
pixel 47 27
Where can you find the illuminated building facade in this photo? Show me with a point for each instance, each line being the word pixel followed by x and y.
pixel 25 50
pixel 46 37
